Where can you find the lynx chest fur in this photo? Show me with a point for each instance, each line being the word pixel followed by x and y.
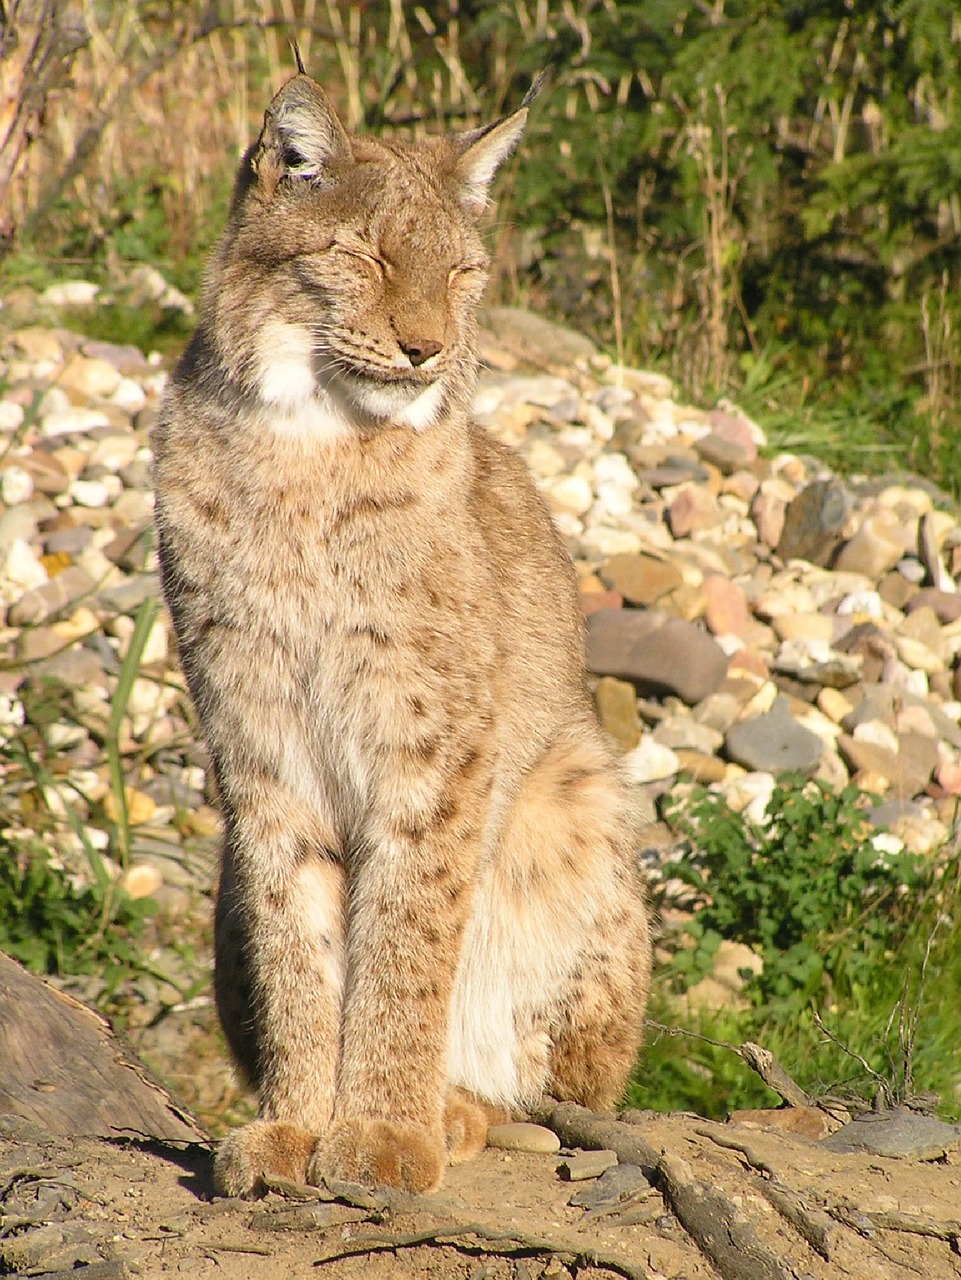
pixel 428 910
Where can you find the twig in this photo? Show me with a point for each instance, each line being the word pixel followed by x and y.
pixel 486 1241
pixel 885 1092
pixel 760 1060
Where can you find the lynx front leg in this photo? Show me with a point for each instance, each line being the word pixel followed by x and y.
pixel 279 981
pixel 410 899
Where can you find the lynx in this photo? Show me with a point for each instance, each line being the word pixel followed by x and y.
pixel 428 912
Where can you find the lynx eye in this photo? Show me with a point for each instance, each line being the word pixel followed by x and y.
pixel 364 255
pixel 466 269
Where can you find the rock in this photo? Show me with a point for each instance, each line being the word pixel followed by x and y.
pixel 896 1133
pixel 946 605
pixel 89 378
pixel 658 653
pixel 521 1136
pixel 725 609
pixel 874 549
pixel 616 1183
pixel 69 422
pixel 523 332
pixel 650 762
pixel 617 709
pixel 906 771
pixel 806 1122
pixel 727 455
pixel 73 293
pixel 641 579
pixel 693 510
pixel 774 742
pixel 586 1164
pixel 814 522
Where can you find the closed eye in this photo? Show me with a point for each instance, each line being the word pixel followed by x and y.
pixel 466 269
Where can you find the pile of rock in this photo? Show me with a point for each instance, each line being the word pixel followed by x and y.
pixel 748 615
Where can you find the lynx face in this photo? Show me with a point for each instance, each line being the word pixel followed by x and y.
pixel 352 268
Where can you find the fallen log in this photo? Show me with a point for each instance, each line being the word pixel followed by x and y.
pixel 63 1066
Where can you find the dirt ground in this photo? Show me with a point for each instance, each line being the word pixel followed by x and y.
pixel 103 1209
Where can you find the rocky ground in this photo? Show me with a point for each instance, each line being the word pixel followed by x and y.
pixel 747 616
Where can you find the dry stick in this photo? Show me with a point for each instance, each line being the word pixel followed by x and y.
pixel 760 1060
pixel 487 1241
pixel 885 1092
pixel 813 1224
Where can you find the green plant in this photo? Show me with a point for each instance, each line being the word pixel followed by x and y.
pixel 809 887
pixel 55 925
pixel 858 945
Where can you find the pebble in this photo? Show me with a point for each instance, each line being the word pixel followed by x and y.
pixel 523 1136
pixel 615 1184
pixel 586 1164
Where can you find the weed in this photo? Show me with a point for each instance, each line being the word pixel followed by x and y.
pixel 55 925
pixel 858 945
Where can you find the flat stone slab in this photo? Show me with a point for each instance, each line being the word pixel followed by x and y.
pixel 896 1133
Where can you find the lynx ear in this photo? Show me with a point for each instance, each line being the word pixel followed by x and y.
pixel 484 151
pixel 301 137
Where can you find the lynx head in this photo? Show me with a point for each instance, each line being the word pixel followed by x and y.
pixel 343 293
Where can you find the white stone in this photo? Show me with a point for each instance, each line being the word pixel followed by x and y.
pixel 90 493
pixel 650 761
pixel 16 486
pixel 72 293
pixel 11 416
pixel 753 789
pixel 114 452
pixel 543 460
pixel 887 844
pixel 68 422
pixel 877 733
pixel 129 396
pixel 601 540
pixel 572 494
pixel 21 571
pixel 863 602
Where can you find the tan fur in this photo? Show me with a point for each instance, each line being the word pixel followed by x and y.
pixel 429 911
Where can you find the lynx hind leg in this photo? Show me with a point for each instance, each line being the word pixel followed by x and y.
pixel 572 838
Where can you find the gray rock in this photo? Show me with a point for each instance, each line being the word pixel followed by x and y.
pixel 774 742
pixel 616 1183
pixel 587 1164
pixel 660 654
pixel 896 1133
pixel 814 522
pixel 519 328
pixel 42 602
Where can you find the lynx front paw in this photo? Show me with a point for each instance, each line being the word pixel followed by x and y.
pixel 263 1146
pixel 379 1154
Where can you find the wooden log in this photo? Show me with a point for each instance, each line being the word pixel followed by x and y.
pixel 63 1066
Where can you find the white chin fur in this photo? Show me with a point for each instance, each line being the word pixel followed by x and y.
pixel 299 407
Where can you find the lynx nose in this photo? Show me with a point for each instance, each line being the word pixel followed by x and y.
pixel 417 350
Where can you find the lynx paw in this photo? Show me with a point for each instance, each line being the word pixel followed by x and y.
pixel 466 1121
pixel 379 1154
pixel 263 1146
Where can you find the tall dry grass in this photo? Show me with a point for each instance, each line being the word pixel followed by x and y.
pixel 167 105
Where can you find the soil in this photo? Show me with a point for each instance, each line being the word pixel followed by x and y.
pixel 103 1209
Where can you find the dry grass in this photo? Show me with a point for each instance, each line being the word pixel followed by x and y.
pixel 168 107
